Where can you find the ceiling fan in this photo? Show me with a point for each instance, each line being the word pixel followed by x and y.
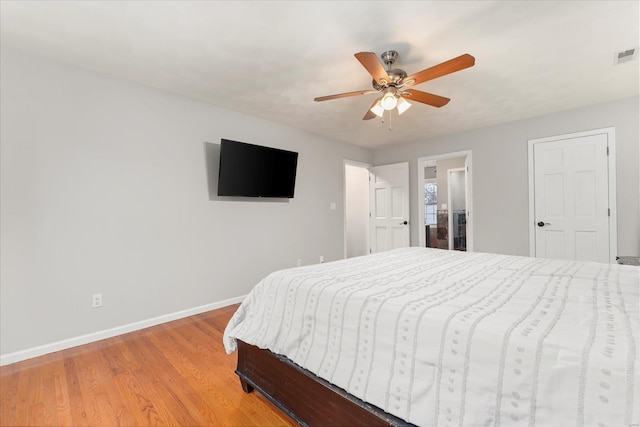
pixel 393 83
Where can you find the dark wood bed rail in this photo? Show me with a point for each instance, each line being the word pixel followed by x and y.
pixel 308 399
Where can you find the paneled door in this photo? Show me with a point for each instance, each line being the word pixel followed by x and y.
pixel 389 196
pixel 571 198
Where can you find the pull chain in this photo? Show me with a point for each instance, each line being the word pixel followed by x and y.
pixel 389 111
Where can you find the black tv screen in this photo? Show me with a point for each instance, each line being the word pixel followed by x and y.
pixel 248 170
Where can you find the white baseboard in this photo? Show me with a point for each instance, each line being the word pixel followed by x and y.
pixel 18 356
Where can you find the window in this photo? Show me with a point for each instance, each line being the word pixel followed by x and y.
pixel 430 202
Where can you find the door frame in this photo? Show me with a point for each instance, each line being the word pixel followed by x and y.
pixel 611 163
pixel 422 162
pixel 366 166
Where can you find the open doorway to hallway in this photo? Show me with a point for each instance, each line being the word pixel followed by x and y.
pixel 445 202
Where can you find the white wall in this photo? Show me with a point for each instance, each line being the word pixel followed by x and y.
pixel 104 189
pixel 500 198
pixel 356 210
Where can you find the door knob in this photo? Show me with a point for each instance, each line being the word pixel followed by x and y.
pixel 542 224
pixel 404 223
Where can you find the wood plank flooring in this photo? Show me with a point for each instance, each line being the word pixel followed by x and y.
pixel 174 374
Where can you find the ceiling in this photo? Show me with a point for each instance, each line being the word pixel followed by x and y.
pixel 269 59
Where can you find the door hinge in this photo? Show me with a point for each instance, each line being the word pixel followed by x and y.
pixel 609 212
pixel 369 214
pixel 370 251
pixel 607 150
pixel 467 168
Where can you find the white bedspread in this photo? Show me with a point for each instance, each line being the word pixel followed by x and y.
pixel 464 339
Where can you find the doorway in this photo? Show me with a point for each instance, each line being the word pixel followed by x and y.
pixel 445 201
pixel 376 208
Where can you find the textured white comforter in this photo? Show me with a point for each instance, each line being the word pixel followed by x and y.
pixel 464 339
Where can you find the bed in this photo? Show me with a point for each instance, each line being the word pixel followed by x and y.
pixel 432 337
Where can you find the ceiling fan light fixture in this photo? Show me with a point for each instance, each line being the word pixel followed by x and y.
pixel 377 109
pixel 389 101
pixel 403 105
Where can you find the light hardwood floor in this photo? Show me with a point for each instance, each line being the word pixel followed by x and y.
pixel 175 374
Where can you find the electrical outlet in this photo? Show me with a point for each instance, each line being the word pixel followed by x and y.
pixel 299 262
pixel 96 300
pixel 321 258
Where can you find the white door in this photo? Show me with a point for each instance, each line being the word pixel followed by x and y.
pixel 457 200
pixel 571 198
pixel 389 196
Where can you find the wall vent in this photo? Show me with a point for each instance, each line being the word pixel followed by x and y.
pixel 625 56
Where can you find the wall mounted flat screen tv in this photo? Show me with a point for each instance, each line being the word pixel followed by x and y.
pixel 248 170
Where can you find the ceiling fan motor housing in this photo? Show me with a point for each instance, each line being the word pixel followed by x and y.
pixel 396 76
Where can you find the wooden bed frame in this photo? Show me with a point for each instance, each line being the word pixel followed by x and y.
pixel 308 399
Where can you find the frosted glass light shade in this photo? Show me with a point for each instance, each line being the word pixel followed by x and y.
pixel 403 105
pixel 377 109
pixel 389 101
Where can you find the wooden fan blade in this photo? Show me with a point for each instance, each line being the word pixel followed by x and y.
pixel 370 114
pixel 448 67
pixel 425 98
pixel 343 95
pixel 369 60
